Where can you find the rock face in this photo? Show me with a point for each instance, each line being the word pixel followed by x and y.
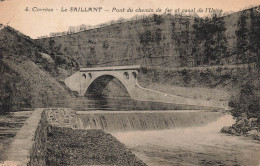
pixel 244 126
pixel 86 147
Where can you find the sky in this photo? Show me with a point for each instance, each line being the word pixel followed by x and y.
pixel 35 23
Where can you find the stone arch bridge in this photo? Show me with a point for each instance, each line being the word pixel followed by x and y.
pixel 94 81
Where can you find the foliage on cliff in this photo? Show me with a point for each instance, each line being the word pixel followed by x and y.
pixel 246 108
pixel 248 101
pixel 165 40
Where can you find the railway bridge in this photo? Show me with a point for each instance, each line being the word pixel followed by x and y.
pixel 94 80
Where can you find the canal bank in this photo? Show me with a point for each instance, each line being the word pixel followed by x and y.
pixel 10 124
pixel 49 137
pixel 59 136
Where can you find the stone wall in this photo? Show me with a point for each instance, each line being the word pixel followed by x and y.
pixel 38 150
pixel 61 117
pixel 26 138
pixel 49 138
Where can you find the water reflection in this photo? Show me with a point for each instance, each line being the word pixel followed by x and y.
pixel 115 104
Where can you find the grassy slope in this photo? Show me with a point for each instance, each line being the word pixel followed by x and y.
pixel 120 44
pixel 29 78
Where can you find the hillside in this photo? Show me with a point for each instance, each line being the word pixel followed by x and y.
pixel 30 75
pixel 185 51
pixel 212 58
pixel 165 40
pixel 174 51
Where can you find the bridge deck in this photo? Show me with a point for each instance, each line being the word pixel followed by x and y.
pixel 112 68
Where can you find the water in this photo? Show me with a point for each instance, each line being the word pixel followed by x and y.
pixel 144 120
pixel 112 104
pixel 165 138
pixel 202 145
pixel 173 137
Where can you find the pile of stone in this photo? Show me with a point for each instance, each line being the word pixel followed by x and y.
pixel 244 126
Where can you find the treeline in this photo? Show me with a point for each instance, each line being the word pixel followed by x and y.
pixel 84 27
pixel 208 41
pixel 204 41
pixel 166 40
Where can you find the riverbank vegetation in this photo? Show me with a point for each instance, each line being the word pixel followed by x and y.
pixel 246 109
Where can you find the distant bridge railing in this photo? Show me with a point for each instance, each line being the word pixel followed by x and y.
pixel 112 68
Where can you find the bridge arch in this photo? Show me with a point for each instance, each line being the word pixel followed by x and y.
pixel 98 84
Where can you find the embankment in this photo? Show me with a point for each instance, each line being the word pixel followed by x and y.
pixel 49 137
pixel 87 147
pixel 226 80
pixel 218 84
pixel 10 124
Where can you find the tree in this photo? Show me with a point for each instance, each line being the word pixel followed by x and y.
pixel 242 38
pixel 214 38
pixel 51 44
pixel 253 39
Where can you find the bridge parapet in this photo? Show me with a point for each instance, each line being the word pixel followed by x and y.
pixel 112 68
